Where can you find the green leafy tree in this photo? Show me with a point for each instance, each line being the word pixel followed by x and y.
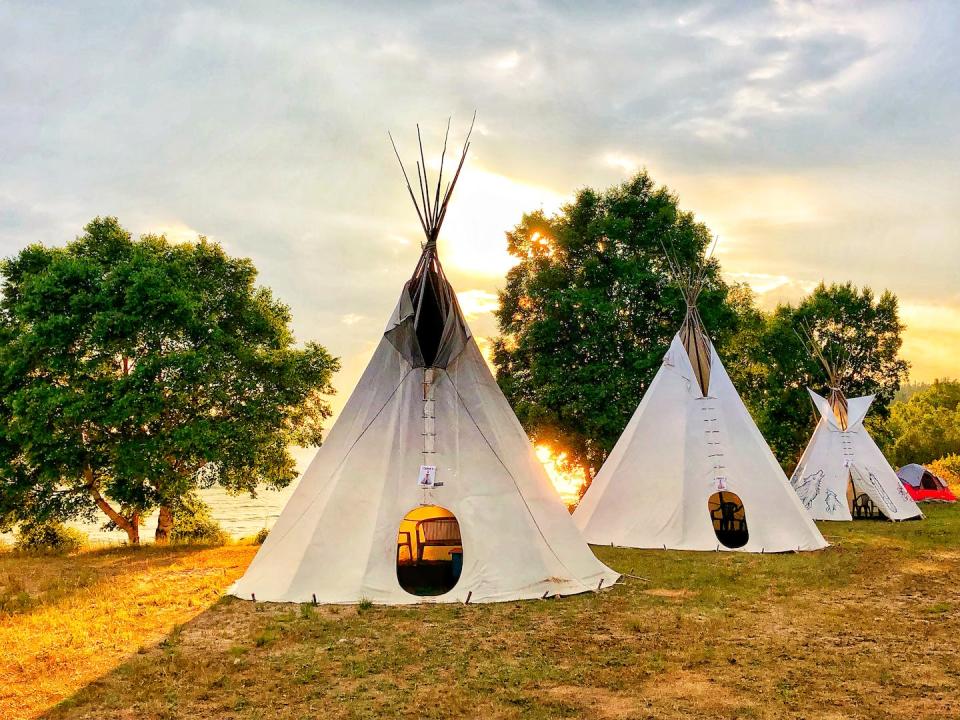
pixel 136 371
pixel 589 311
pixel 927 426
pixel 851 323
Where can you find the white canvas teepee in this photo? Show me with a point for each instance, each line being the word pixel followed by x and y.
pixel 691 466
pixel 426 427
pixel 843 470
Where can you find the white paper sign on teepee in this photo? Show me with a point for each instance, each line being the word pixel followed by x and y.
pixel 427 477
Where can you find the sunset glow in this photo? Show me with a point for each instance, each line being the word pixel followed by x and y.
pixel 568 482
pixel 486 206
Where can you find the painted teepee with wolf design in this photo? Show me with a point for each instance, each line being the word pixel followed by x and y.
pixel 691 470
pixel 842 473
pixel 427 462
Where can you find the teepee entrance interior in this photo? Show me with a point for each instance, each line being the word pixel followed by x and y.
pixel 729 519
pixel 429 551
pixel 861 506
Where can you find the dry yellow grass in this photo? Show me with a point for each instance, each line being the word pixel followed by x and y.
pixel 64 621
pixel 866 629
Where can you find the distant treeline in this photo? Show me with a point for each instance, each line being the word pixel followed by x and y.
pixel 138 371
pixel 590 308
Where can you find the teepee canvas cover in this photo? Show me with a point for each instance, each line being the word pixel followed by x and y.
pixel 427 399
pixel 691 439
pixel 842 457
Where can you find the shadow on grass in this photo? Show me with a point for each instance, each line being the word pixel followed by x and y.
pixel 145 684
pixel 85 614
pixel 32 581
pixel 692 634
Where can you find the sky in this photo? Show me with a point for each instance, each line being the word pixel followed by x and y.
pixel 818 140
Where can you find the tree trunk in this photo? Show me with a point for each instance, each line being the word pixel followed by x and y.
pixel 164 525
pixel 131 527
pixel 134 538
pixel 588 481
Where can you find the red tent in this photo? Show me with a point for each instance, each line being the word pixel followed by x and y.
pixel 922 484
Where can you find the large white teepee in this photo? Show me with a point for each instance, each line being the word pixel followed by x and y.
pixel 843 470
pixel 691 470
pixel 427 428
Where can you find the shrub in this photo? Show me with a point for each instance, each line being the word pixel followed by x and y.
pixel 193 524
pixel 51 537
pixel 947 469
pixel 14 598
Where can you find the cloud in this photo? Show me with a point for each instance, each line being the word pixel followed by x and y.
pixel 622 161
pixel 772 290
pixel 816 138
pixel 932 339
pixel 486 205
pixel 476 302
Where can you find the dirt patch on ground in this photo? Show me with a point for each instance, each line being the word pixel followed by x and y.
pixel 948 555
pixel 707 694
pixel 600 702
pixel 926 568
pixel 668 593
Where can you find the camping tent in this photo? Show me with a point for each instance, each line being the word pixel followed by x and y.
pixel 921 484
pixel 427 473
pixel 842 473
pixel 691 470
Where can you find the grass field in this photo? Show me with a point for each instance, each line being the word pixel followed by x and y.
pixel 866 629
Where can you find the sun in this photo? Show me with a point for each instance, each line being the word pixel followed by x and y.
pixel 485 207
pixel 568 481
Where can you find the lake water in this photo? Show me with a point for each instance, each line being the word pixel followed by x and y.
pixel 241 516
